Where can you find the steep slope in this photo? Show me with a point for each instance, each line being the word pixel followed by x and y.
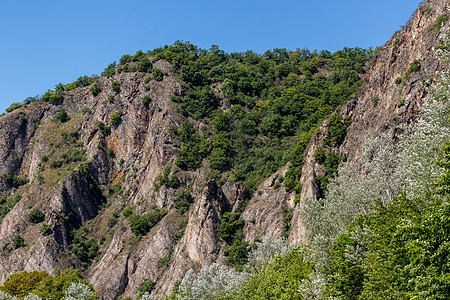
pixel 99 171
pixel 390 96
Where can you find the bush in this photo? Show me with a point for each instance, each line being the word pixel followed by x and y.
pixel 157 74
pixel 440 21
pixel 146 100
pixel 146 286
pixel 14 106
pixel 111 98
pixel 22 283
pixel 183 201
pixel 115 86
pixel 110 70
pixel 95 90
pixel 414 67
pixel 14 181
pixel 141 225
pixel 36 216
pixel 127 212
pixel 105 130
pixel 62 116
pixel 55 287
pixel 116 118
pixel 398 80
pixel 144 65
pixel 85 249
pixel 18 241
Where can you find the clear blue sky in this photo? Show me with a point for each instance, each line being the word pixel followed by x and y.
pixel 47 42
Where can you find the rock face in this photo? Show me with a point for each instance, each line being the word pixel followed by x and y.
pixel 385 103
pixel 86 179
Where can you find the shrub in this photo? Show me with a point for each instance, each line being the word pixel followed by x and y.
pixel 111 98
pixel 95 90
pixel 183 201
pixel 141 225
pixel 146 100
pixel 116 118
pixel 110 70
pixel 36 216
pixel 14 181
pixel 62 116
pixel 14 106
pixel 398 80
pixel 115 189
pixel 52 96
pixel 375 100
pixel 413 67
pixel 22 283
pixel 115 86
pixel 147 80
pixel 45 229
pixel 18 241
pixel 127 212
pixel 85 249
pixel 55 287
pixel 157 74
pixel 105 130
pixel 144 65
pixel 440 21
pixel 146 286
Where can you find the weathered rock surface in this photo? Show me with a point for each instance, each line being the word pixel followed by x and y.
pixel 123 167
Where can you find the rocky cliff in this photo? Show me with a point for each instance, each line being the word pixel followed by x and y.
pixel 89 172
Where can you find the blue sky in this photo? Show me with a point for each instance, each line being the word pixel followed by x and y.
pixel 47 42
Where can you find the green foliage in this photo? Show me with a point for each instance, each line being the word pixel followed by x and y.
pixel 127 212
pixel 53 96
pixel 413 67
pixel 337 129
pixel 45 229
pixel 195 147
pixel 22 283
pixel 280 280
pixel 157 74
pixel 331 164
pixel 163 179
pixel 440 21
pixel 398 80
pixel 183 201
pixel 141 225
pixel 95 90
pixel 54 287
pixel 146 100
pixel 14 106
pixel 199 102
pixel 115 189
pixel 115 85
pixel 18 241
pixel 229 225
pixel 109 71
pixel 13 180
pixel 85 248
pixel 145 286
pixel 121 162
pixel 36 215
pixel 375 100
pixel 111 98
pixel 105 130
pixel 116 118
pixel 80 82
pixel 287 218
pixel 62 116
pixel 144 65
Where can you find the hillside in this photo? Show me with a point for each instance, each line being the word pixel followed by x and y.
pixel 179 157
